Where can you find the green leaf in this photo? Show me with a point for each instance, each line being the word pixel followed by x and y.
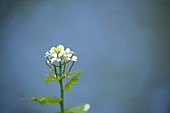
pixel 77 109
pixel 50 78
pixel 71 73
pixel 44 100
pixel 72 81
pixel 68 74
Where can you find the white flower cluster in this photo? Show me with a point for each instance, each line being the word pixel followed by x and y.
pixel 59 54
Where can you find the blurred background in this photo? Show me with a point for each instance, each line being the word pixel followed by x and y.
pixel 123 46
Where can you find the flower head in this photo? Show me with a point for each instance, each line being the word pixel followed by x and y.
pixel 60 55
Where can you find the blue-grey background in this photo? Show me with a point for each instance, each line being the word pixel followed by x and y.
pixel 123 46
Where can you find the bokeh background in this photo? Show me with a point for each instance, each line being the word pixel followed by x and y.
pixel 123 46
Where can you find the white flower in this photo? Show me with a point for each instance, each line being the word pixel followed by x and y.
pixel 68 53
pixel 74 58
pixel 86 107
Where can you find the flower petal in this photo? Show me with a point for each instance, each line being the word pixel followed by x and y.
pixel 67 50
pixel 52 49
pixel 53 59
pixel 54 55
pixel 58 60
pixel 61 53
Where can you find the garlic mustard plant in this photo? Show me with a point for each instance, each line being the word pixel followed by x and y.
pixel 60 62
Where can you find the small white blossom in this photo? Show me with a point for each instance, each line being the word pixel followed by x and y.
pixel 67 53
pixel 86 107
pixel 74 58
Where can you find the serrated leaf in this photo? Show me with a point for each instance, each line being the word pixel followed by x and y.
pixel 50 78
pixel 72 81
pixel 45 100
pixel 76 109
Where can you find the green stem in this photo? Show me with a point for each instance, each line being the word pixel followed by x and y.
pixel 55 70
pixel 47 64
pixel 61 89
pixel 71 66
pixel 68 70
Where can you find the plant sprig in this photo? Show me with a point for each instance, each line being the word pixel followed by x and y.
pixel 57 59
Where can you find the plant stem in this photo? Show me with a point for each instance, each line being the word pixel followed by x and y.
pixel 61 89
pixel 55 70
pixel 71 66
